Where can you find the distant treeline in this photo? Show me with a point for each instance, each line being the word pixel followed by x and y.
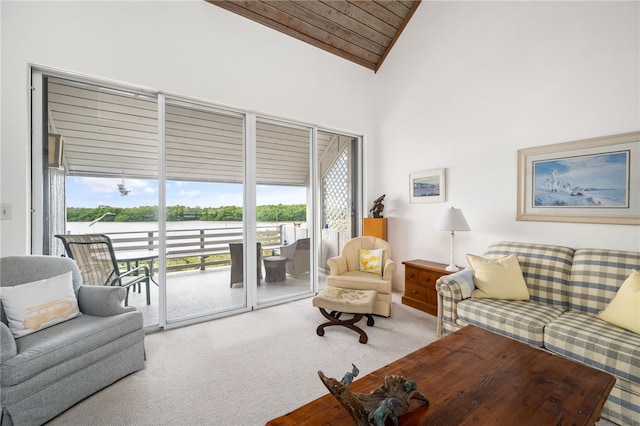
pixel 268 213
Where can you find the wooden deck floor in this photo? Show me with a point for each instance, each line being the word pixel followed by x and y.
pixel 196 293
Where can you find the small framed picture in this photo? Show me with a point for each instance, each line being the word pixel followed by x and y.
pixel 427 186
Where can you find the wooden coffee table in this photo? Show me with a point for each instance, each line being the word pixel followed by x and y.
pixel 478 377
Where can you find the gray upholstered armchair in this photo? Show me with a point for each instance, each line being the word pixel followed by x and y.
pixel 51 369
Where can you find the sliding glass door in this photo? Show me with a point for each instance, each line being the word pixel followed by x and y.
pixel 204 169
pixel 229 210
pixel 284 202
pixel 339 168
pixel 99 167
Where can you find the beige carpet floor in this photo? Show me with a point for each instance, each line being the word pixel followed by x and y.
pixel 247 369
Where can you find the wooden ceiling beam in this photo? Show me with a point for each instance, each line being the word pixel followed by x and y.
pixel 360 31
pixel 396 7
pixel 333 27
pixel 414 7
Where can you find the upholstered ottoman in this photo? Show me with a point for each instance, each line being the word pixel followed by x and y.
pixel 344 300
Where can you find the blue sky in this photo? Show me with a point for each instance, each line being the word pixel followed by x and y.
pixel 604 171
pixel 92 192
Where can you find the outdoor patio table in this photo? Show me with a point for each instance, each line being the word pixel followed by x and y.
pixel 275 268
pixel 137 256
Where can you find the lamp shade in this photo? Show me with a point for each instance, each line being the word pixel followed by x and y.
pixel 453 220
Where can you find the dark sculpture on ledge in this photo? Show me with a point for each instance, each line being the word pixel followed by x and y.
pixel 378 207
pixel 388 401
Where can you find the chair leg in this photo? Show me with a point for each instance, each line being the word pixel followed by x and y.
pixel 334 319
pixel 148 291
pixel 126 298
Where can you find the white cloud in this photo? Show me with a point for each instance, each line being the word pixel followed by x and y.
pixel 99 185
pixel 189 194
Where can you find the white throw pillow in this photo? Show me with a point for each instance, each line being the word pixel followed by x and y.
pixel 40 304
pixel 370 260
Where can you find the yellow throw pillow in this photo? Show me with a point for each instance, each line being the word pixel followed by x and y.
pixel 624 309
pixel 498 279
pixel 40 304
pixel 370 261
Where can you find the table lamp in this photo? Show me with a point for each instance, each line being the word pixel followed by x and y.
pixel 453 220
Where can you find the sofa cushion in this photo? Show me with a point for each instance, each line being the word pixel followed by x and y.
pixel 39 304
pixel 624 309
pixel 518 319
pixel 596 275
pixel 498 279
pixel 545 268
pixel 360 281
pixel 587 339
pixel 55 347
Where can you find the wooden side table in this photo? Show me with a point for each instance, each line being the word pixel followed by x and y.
pixel 420 278
pixel 375 227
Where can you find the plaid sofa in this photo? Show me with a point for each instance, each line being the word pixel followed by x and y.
pixel 567 288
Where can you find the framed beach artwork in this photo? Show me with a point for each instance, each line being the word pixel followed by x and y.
pixel 427 186
pixel 589 181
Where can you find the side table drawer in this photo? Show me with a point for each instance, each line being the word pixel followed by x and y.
pixel 428 282
pixel 414 291
pixel 428 279
pixel 412 275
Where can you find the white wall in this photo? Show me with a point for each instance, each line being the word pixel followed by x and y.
pixel 470 83
pixel 465 87
pixel 189 48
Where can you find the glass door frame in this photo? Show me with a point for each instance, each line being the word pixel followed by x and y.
pixel 311 201
pixel 37 101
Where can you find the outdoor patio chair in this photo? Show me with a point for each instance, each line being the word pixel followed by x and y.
pixel 96 259
pixel 237 263
pixel 297 254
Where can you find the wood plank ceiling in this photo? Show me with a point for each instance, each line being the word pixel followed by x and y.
pixel 360 31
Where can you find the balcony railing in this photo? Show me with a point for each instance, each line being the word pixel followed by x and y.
pixel 195 248
pixel 202 248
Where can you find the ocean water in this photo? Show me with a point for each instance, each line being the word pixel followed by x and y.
pixel 609 197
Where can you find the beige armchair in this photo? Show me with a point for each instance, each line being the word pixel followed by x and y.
pixel 345 272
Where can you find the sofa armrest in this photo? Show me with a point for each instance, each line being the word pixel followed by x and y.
pixel 452 289
pixel 8 348
pixel 102 301
pixel 388 269
pixel 337 265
